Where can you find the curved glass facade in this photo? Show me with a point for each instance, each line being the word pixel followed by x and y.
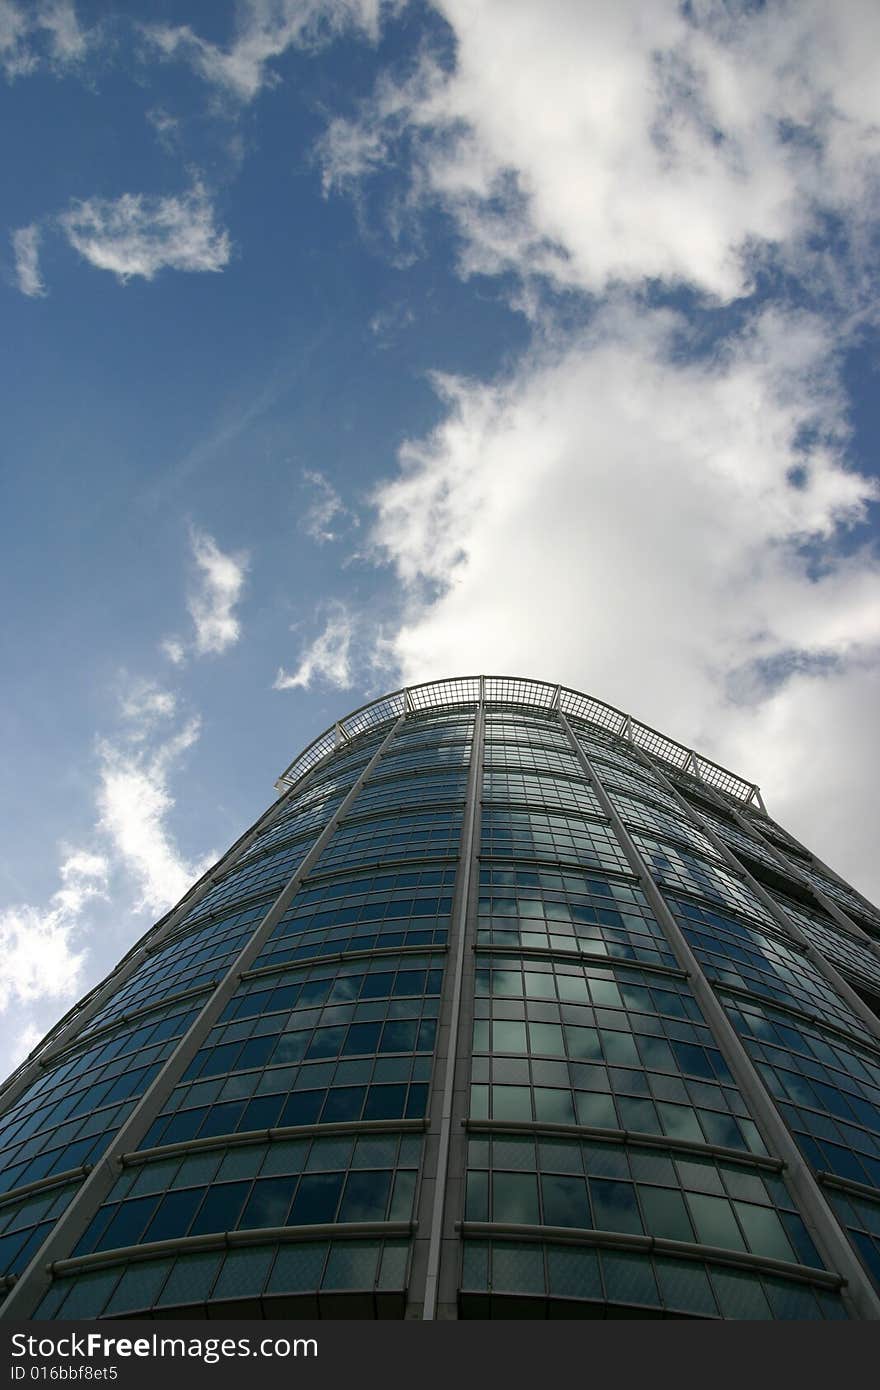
pixel 508 1006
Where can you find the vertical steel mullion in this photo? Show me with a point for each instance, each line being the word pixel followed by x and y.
pixel 791 929
pixel 36 1278
pixel 794 870
pixel 455 1045
pixel 822 867
pixel 829 1237
pixel 66 1032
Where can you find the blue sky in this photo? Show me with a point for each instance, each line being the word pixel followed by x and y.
pixel 353 343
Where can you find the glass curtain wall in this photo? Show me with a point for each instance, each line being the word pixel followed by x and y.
pixel 507 1007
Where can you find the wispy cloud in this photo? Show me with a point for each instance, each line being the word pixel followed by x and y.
pixel 265 31
pixel 22 1041
pixel 166 126
pixel 220 582
pixel 350 149
pixel 327 515
pixel 222 577
pixel 131 860
pixel 327 658
pixel 144 704
pixel 40 955
pixel 26 248
pixel 134 797
pixel 594 145
pixel 39 34
pixel 68 41
pixel 134 803
pixel 387 324
pixel 140 235
pixel 16 57
pixel 174 649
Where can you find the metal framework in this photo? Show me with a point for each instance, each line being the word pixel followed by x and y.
pixel 521 693
pixel 436 1230
pixel 827 1234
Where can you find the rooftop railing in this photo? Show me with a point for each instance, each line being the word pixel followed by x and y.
pixel 519 692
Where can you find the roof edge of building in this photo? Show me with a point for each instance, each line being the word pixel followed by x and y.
pixel 521 692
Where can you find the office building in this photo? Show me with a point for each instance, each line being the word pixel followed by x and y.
pixel 508 1006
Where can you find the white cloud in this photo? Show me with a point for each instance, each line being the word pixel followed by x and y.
pixel 132 863
pixel 619 142
pixel 622 519
pixel 325 509
pixel 26 248
pixel 265 30
pixel 166 126
pixel 350 149
pixel 814 746
pixel 221 581
pixel 627 511
pixel 134 802
pixel 144 704
pixel 174 649
pixel 40 954
pixel 387 324
pixel 25 1038
pixel 38 33
pixel 15 56
pixel 328 657
pixel 211 604
pixel 68 42
pixel 140 235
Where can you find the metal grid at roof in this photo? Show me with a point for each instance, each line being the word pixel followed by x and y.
pixel 440 694
pixel 513 690
pixel 522 693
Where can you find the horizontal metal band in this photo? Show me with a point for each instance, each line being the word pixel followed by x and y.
pixel 232 1240
pixel 27 1189
pixel 858 1189
pixel 851 1039
pixel 137 1157
pixel 546 861
pixel 685 1249
pixel 119 1020
pixel 586 957
pixel 625 1136
pixel 338 956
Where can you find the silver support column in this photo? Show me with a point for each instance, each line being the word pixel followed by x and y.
pixel 822 867
pixel 827 1234
pixel 440 1190
pixel 37 1277
pixel 785 924
pixel 794 871
pixel 790 867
